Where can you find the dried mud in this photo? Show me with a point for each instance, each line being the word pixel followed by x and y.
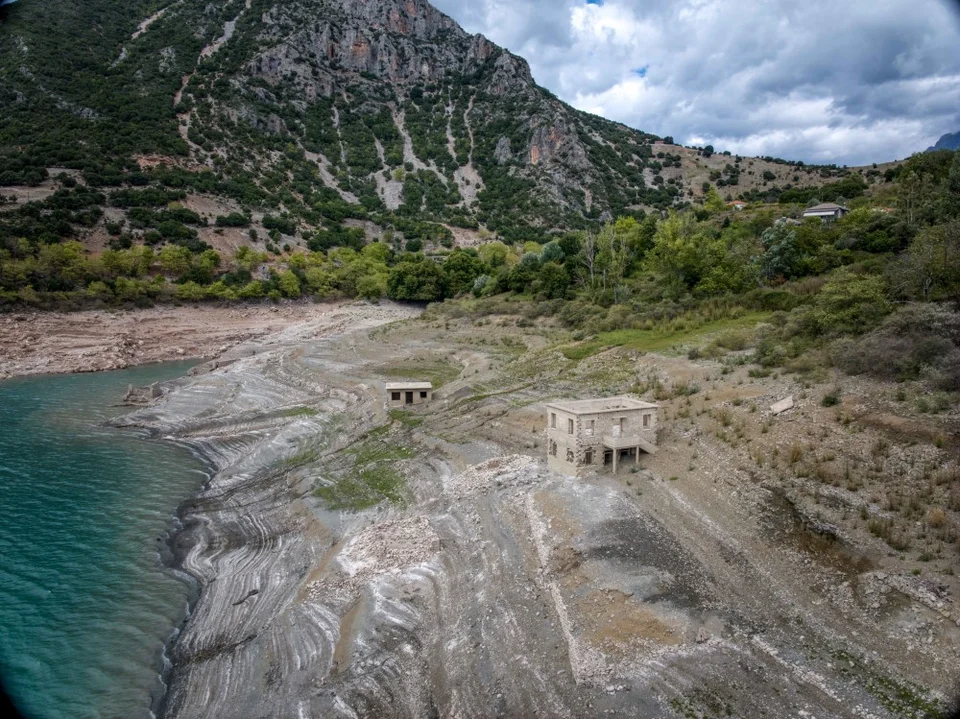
pixel 496 588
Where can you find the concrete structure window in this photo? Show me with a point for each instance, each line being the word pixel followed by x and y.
pixel 408 393
pixel 598 432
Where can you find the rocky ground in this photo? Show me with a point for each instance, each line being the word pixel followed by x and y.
pixel 90 341
pixel 362 563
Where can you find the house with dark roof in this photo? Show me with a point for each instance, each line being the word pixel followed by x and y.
pixel 826 211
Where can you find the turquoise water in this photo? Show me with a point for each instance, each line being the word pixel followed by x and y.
pixel 86 605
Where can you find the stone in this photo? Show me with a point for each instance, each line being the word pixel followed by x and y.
pixel 782 406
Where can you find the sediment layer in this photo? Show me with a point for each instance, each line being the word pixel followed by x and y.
pixel 494 587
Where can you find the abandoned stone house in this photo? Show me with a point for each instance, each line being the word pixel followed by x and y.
pixel 597 432
pixel 403 394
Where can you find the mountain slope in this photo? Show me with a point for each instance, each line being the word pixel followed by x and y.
pixel 330 109
pixel 947 142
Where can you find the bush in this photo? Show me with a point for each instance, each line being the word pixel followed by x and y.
pixel 848 304
pixel 832 398
pixel 734 340
pixel 918 341
pixel 234 219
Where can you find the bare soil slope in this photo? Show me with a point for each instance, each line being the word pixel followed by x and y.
pixel 356 562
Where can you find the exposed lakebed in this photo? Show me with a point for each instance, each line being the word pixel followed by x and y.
pixel 86 605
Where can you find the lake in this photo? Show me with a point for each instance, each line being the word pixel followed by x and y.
pixel 86 605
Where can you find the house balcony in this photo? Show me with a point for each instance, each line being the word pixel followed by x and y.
pixel 629 442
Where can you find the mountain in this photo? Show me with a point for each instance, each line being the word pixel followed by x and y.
pixel 320 111
pixel 947 142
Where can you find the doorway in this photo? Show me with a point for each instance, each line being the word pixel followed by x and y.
pixel 409 398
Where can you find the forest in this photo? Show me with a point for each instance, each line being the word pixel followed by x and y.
pixel 891 265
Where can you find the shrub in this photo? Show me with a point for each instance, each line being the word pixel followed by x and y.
pixel 734 340
pixel 848 304
pixel 936 518
pixel 832 398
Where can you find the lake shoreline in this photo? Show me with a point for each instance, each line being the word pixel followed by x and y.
pixel 38 343
pixel 78 583
pixel 210 518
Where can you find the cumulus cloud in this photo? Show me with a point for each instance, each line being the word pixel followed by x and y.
pixel 821 81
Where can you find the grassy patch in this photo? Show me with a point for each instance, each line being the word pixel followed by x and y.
pixel 438 372
pixel 372 479
pixel 375 450
pixel 661 338
pixel 407 418
pixel 307 456
pixel 299 412
pixel 364 488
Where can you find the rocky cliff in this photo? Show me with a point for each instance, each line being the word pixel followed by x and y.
pixel 384 103
pixel 322 110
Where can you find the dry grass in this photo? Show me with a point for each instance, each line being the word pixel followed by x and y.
pixel 795 453
pixel 936 518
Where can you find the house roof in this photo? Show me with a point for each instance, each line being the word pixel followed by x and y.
pixel 400 386
pixel 824 207
pixel 599 406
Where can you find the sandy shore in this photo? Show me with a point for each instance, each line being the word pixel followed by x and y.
pixel 59 342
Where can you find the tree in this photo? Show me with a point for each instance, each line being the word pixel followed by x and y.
pixel 678 254
pixel 174 259
pixel 781 257
pixel 422 281
pixel 552 252
pixel 849 304
pixel 553 281
pixel 588 261
pixel 494 254
pixel 289 284
pixel 462 267
pixel 713 202
pixel 930 268
pixel 190 292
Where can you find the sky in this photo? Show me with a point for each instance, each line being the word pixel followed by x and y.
pixel 822 81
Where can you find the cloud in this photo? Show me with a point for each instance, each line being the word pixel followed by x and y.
pixel 820 81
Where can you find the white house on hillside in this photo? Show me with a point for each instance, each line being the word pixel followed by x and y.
pixel 826 211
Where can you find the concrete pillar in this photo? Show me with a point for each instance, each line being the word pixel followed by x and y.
pixel 638 455
pixel 616 454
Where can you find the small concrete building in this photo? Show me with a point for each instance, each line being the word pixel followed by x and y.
pixel 598 432
pixel 403 394
pixel 827 212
